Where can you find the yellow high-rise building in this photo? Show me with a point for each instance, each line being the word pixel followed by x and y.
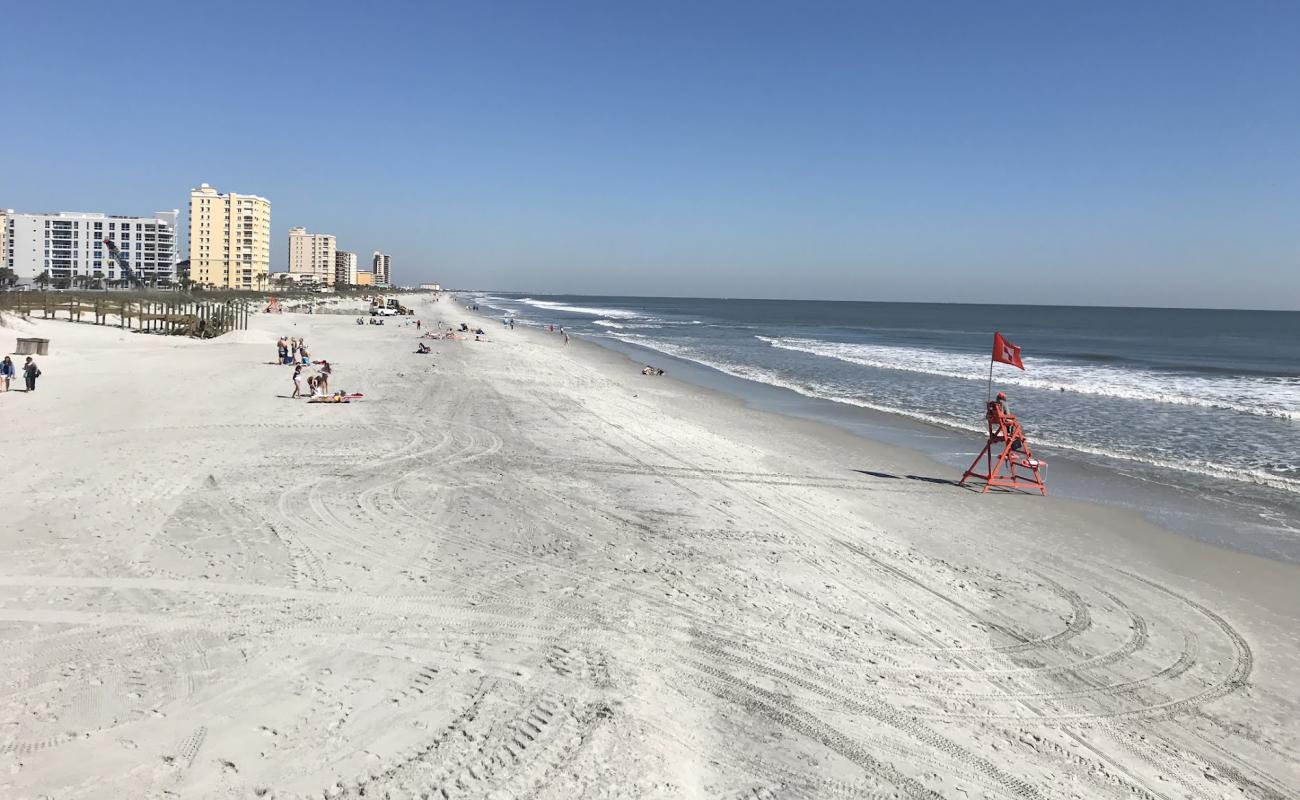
pixel 230 239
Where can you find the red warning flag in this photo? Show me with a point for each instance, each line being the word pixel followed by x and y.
pixel 1006 352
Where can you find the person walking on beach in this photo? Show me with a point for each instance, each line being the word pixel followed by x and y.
pixel 6 373
pixel 512 323
pixel 297 382
pixel 323 380
pixel 30 373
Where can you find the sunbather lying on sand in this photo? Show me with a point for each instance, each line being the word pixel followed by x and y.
pixel 337 397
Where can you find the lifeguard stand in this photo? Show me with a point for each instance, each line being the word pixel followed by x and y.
pixel 1015 466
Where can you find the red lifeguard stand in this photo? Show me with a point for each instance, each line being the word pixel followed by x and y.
pixel 1015 466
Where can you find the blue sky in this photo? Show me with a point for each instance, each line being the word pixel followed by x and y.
pixel 1045 152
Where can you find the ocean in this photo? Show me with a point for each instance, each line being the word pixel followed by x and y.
pixel 1203 405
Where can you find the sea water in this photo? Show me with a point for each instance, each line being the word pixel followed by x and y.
pixel 1204 404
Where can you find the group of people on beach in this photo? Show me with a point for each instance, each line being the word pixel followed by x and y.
pixel 317 385
pixel 293 351
pixel 30 373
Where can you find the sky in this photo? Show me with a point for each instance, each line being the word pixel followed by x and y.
pixel 1038 152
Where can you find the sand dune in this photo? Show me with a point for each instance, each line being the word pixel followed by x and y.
pixel 520 569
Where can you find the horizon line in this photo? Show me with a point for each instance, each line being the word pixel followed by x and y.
pixel 890 302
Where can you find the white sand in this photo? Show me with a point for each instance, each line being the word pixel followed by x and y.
pixel 518 569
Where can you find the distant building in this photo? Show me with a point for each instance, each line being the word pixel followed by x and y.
pixel 345 267
pixel 383 269
pixel 230 239
pixel 4 237
pixel 299 280
pixel 431 287
pixel 312 254
pixel 365 279
pixel 68 245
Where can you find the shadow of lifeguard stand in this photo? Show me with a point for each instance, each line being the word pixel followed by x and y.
pixel 1008 461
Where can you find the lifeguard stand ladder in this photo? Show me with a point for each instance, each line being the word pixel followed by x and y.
pixel 1015 466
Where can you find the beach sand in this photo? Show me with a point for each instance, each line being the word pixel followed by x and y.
pixel 523 569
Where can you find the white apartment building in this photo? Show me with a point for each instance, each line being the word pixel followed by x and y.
pixel 4 237
pixel 345 267
pixel 311 254
pixel 230 239
pixel 383 269
pixel 68 245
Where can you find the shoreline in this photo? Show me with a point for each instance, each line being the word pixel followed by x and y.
pixel 674 594
pixel 1229 512
pixel 1158 540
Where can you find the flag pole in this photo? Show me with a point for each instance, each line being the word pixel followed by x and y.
pixel 990 395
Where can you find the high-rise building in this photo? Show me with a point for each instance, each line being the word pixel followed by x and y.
pixel 311 254
pixel 4 237
pixel 230 239
pixel 345 267
pixel 383 269
pixel 68 245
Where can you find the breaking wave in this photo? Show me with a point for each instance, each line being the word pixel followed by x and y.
pixel 823 391
pixel 1267 397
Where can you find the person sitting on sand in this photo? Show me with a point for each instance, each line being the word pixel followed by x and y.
pixel 422 348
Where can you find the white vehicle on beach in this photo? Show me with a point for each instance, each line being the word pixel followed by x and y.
pixel 383 312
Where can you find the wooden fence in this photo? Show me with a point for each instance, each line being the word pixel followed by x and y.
pixel 167 315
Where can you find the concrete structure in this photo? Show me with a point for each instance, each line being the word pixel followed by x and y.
pixel 312 254
pixel 70 245
pixel 383 269
pixel 230 239
pixel 431 287
pixel 345 267
pixel 365 279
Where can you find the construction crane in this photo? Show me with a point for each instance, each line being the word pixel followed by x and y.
pixel 127 272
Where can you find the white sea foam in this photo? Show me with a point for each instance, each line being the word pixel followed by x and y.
pixel 1269 397
pixel 823 391
pixel 607 323
pixel 616 313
